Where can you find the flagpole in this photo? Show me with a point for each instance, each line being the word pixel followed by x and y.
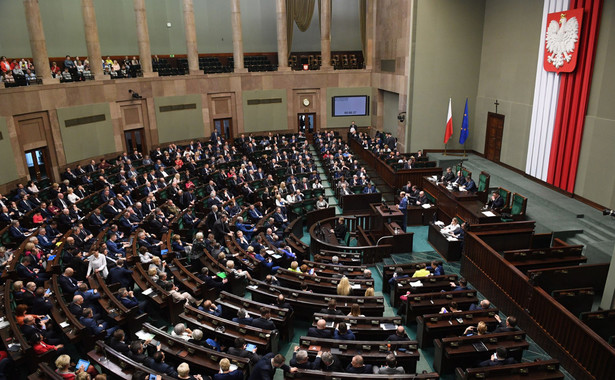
pixel 445 148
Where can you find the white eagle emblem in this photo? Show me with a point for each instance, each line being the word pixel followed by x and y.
pixel 561 39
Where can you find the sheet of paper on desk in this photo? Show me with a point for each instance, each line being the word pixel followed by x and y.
pixel 488 213
pixel 388 326
pixel 144 335
pixel 434 177
pixel 427 205
pixel 356 286
pixel 416 284
pixel 64 324
pixel 439 223
pixel 147 291
pixel 450 238
pixel 462 189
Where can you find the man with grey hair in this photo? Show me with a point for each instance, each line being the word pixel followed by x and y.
pixel 180 330
pixel 197 336
pixel 243 317
pixel 335 260
pixel 300 360
pixel 391 368
pixel 330 363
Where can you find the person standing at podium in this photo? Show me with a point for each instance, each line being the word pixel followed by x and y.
pixel 403 207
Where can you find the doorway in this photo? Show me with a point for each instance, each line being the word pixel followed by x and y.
pixel 307 122
pixel 135 140
pixel 224 127
pixel 37 161
pixel 493 140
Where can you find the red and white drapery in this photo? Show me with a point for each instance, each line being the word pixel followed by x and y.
pixel 560 102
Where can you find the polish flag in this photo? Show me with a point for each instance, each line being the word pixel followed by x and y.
pixel 449 123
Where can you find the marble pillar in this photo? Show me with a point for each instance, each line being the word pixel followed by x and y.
pixel 145 54
pixel 237 37
pixel 191 45
pixel 38 43
pixel 325 35
pixel 91 38
pixel 280 10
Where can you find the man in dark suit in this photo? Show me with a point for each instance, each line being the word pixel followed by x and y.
pixel 500 357
pixel 448 176
pixel 221 228
pixel 400 335
pixel 156 362
pixel 92 326
pixel 509 325
pixel 470 186
pixel 121 274
pixel 26 272
pixel 68 284
pixel 331 308
pixel 320 331
pixel 330 363
pixel 301 360
pixel 243 317
pixel 239 349
pixel 496 202
pixel 265 368
pixel 264 321
pixel 41 304
pixel 76 307
pixel 357 366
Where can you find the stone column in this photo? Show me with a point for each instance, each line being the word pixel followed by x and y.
pixel 237 37
pixel 191 45
pixel 37 41
pixel 370 34
pixel 91 38
pixel 280 10
pixel 325 35
pixel 145 53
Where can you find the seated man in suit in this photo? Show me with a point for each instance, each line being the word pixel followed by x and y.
pixel 121 274
pixel 391 367
pixel 265 368
pixel 483 305
pixel 41 304
pixel 496 202
pixel 357 366
pixel 500 357
pixel 320 331
pixel 340 229
pixel 509 325
pixel 243 317
pixel 343 333
pixel 469 185
pixel 211 308
pixel 92 326
pixel 239 349
pixel 422 199
pixel 156 362
pixel 460 179
pixel 264 321
pixel 331 308
pixel 399 336
pixel 448 176
pixel 330 363
pixel 68 284
pixel 301 360
pixel 127 298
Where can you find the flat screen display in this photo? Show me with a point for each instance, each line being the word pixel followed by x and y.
pixel 357 105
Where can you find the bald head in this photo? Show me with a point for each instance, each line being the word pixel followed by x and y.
pixel 321 324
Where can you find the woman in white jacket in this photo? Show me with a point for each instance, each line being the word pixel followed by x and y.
pixel 98 263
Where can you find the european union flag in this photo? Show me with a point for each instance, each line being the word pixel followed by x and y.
pixel 463 136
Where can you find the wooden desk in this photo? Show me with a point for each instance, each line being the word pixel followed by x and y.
pixel 364 328
pixel 452 203
pixel 430 284
pixel 449 250
pixel 438 326
pixel 540 370
pixel 431 303
pixel 400 241
pixel 373 352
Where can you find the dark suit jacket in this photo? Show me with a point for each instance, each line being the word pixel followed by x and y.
pixel 263 323
pixel 316 333
pixel 41 306
pixel 77 310
pixel 121 275
pixel 68 284
pixel 234 375
pixel 367 368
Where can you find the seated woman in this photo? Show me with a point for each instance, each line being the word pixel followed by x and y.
pixel 321 203
pixel 452 308
pixel 20 313
pixel 343 288
pixel 63 368
pixel 480 329
pixel 451 228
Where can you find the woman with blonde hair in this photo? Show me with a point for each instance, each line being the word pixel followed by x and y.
pixel 62 368
pixel 369 292
pixel 480 329
pixel 343 288
pixel 294 267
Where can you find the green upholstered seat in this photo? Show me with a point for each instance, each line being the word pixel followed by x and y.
pixel 483 182
pixel 505 194
pixel 309 205
pixel 519 204
pixel 431 198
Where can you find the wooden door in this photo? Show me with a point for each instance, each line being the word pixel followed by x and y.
pixel 493 140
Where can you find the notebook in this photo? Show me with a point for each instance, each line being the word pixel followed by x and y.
pixel 480 347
